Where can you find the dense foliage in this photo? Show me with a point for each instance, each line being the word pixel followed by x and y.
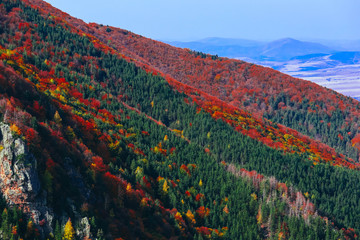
pixel 118 143
pixel 315 111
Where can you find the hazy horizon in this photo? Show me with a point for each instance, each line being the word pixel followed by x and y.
pixel 259 20
pixel 267 40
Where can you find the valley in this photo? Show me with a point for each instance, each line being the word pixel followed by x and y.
pixel 334 69
pixel 341 77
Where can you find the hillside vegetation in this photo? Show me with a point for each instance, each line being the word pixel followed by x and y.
pixel 134 139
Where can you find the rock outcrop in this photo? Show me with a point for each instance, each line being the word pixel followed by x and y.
pixel 19 180
pixel 83 231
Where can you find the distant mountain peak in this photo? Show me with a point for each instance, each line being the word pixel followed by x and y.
pixel 286 40
pixel 278 50
pixel 286 48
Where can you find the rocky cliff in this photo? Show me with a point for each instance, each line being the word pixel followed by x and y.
pixel 19 181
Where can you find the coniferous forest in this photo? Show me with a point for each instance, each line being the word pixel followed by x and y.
pixel 130 138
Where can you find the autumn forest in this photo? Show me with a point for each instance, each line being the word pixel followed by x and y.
pixel 105 134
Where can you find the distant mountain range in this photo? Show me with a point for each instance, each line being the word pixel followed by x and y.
pixel 340 45
pixel 279 50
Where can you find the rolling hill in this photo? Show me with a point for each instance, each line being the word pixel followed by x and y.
pixel 287 48
pixel 279 50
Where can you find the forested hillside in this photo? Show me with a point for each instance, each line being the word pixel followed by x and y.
pixel 117 140
pixel 313 110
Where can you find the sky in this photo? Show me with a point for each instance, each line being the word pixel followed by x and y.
pixel 186 20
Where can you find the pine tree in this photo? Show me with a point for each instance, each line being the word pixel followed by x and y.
pixel 4 225
pixel 57 232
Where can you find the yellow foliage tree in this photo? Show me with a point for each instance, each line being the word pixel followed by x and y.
pixel 139 171
pixel 226 209
pixel 254 196
pixel 57 118
pixel 69 232
pixel 200 183
pixel 190 216
pixel 208 134
pixel 180 132
pixel 259 216
pixel 15 129
pixel 128 187
pixel 165 187
pixel 159 178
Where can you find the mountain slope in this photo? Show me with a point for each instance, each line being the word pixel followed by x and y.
pixel 257 89
pixel 335 122
pixel 123 154
pixel 328 68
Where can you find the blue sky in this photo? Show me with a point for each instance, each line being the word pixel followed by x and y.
pixel 186 20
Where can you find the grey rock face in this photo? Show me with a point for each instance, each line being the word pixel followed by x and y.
pixel 19 181
pixel 83 232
